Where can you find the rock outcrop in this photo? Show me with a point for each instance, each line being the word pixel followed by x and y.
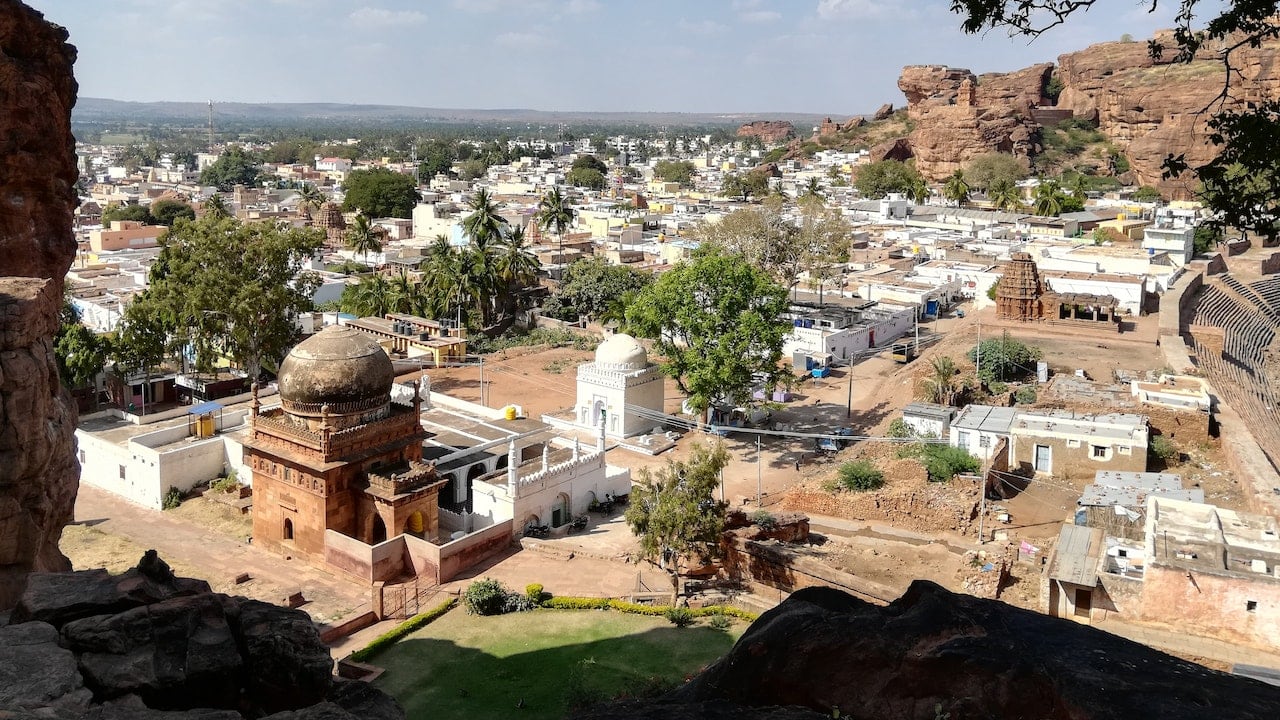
pixel 823 653
pixel 146 644
pixel 959 116
pixel 770 132
pixel 37 184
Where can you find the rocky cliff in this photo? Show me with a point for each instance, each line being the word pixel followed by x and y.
pixel 146 644
pixel 38 470
pixel 771 132
pixel 1147 108
pixel 932 654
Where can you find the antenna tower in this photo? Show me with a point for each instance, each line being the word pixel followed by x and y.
pixel 210 127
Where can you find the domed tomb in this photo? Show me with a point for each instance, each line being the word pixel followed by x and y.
pixel 621 352
pixel 339 371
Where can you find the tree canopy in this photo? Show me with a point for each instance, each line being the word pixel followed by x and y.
pixel 589 162
pixel 591 286
pixel 877 179
pixel 1241 185
pixel 233 167
pixel 136 213
pixel 222 287
pixel 753 183
pixel 79 352
pixel 585 177
pixel 381 193
pixel 166 212
pixel 673 511
pixel 985 171
pixel 1004 358
pixel 676 171
pixel 717 320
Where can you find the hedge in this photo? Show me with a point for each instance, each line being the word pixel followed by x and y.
pixel 394 635
pixel 588 603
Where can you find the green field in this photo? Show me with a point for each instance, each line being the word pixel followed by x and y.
pixel 464 666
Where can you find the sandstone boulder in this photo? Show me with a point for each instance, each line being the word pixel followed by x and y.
pixel 35 672
pixel 883 112
pixel 898 149
pixel 769 131
pixel 287 664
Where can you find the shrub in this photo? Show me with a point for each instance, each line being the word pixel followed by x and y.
pixel 227 484
pixel 533 591
pixel 586 603
pixel 393 635
pixel 720 622
pixel 998 388
pixel 679 616
pixel 172 499
pixel 515 602
pixel 859 476
pixel 1163 448
pixel 764 519
pixel 942 462
pixel 1004 358
pixel 485 597
pixel 1025 395
pixel 900 429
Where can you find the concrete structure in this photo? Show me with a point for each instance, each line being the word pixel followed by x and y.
pixel 126 235
pixel 844 332
pixel 978 429
pixel 618 379
pixel 1066 444
pixel 1180 392
pixel 1177 241
pixel 1073 573
pixel 928 419
pixel 1116 501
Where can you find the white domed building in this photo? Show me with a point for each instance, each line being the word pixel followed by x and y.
pixel 620 379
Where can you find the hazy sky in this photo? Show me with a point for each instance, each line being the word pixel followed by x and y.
pixel 822 56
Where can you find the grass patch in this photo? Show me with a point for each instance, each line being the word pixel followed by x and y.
pixel 484 667
pixel 392 636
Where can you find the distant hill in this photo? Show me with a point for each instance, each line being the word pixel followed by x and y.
pixel 101 110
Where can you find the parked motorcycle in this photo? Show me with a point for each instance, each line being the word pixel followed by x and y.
pixel 537 531
pixel 579 523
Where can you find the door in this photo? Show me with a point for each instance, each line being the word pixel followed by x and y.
pixel 1084 603
pixel 1043 459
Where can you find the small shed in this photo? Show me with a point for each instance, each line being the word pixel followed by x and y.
pixel 928 419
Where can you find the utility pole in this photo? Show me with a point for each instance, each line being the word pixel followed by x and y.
pixel 759 472
pixel 848 407
pixel 211 127
pixel 982 505
pixel 482 380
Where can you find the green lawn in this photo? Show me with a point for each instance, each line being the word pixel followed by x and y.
pixel 464 666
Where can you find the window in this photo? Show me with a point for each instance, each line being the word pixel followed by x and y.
pixel 984 441
pixel 121 472
pixel 1073 443
pixel 1251 605
pixel 1124 450
pixel 81 455
pixel 1121 552
pixel 962 439
pixel 1098 451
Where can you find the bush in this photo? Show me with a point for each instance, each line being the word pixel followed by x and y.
pixel 998 388
pixel 679 616
pixel 227 484
pixel 395 634
pixel 859 476
pixel 1004 358
pixel 172 499
pixel 534 592
pixel 585 603
pixel 720 622
pixel 942 462
pixel 764 519
pixel 485 597
pixel 515 602
pixel 900 429
pixel 1163 448
pixel 1025 395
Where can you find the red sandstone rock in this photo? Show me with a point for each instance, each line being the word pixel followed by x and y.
pixel 769 131
pixel 883 112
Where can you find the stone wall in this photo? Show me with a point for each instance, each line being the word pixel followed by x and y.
pixel 37 179
pixel 907 501
pixel 1212 604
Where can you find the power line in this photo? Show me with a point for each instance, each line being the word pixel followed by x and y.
pixel 650 414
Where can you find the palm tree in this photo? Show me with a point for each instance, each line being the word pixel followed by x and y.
pixel 919 191
pixel 554 212
pixel 1048 200
pixel 956 190
pixel 813 187
pixel 1004 195
pixel 309 200
pixel 364 237
pixel 216 206
pixel 515 269
pixel 940 386
pixel 484 223
pixel 370 297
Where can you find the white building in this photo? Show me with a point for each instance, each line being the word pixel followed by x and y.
pixel 619 380
pixel 1178 241
pixel 977 429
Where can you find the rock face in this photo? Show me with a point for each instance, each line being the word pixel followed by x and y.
pixel 145 644
pixel 959 116
pixel 769 131
pixel 932 652
pixel 37 179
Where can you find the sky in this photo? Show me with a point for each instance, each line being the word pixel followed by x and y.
pixel 837 57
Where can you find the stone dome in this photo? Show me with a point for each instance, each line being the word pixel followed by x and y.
pixel 340 367
pixel 621 352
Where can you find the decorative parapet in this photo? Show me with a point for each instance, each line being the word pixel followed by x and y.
pixel 415 476
pixel 595 374
pixel 557 472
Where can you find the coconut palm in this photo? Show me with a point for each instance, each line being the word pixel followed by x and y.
pixel 940 386
pixel 919 191
pixel 956 189
pixel 1048 198
pixel 554 212
pixel 364 237
pixel 484 224
pixel 813 187
pixel 309 200
pixel 370 297
pixel 216 206
pixel 1004 195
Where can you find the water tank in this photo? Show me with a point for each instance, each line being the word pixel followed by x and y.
pixel 509 412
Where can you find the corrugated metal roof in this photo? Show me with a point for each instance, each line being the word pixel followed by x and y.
pixel 1077 555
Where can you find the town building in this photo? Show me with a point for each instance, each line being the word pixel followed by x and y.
pixel 978 429
pixel 615 390
pixel 1066 444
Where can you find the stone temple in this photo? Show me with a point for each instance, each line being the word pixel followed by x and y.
pixel 337 454
pixel 618 383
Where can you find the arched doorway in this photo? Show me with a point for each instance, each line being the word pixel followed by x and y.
pixel 287 533
pixel 379 532
pixel 560 511
pixel 414 525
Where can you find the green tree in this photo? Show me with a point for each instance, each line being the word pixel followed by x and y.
pixel 1241 184
pixel 1003 358
pixel 555 212
pixel 586 177
pixel 216 206
pixel 941 386
pixel 369 297
pixel 230 288
pixel 956 189
pixel 591 285
pixel 380 193
pixel 437 158
pixel 363 237
pixel 1146 193
pixel 472 168
pixel 984 171
pixel 233 167
pixel 1005 196
pixel 877 179
pixel 589 162
pixel 166 211
pixel 135 213
pixel 310 199
pixel 1048 198
pixel 717 321
pixel 79 352
pixel 1207 238
pixel 753 184
pixel 676 171
pixel 673 510
pixel 919 191
pixel 484 224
